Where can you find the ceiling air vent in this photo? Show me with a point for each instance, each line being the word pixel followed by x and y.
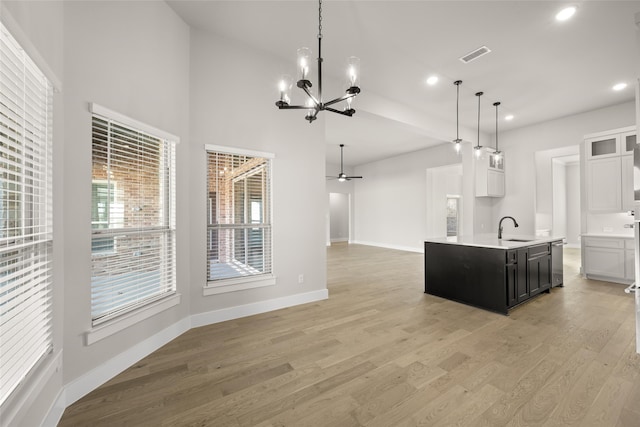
pixel 475 54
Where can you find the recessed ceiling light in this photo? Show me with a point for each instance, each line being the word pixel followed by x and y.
pixel 432 80
pixel 565 13
pixel 619 86
pixel 509 117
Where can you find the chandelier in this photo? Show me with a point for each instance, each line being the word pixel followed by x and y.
pixel 314 104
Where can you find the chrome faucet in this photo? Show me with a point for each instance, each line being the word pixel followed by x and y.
pixel 500 225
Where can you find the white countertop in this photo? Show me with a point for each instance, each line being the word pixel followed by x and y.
pixel 491 240
pixel 612 235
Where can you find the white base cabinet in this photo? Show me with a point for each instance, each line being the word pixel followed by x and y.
pixel 608 258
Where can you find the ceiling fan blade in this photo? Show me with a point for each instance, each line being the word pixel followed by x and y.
pixel 351 177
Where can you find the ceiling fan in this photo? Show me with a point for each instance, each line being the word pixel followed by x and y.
pixel 342 177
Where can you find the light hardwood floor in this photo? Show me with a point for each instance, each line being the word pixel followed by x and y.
pixel 380 352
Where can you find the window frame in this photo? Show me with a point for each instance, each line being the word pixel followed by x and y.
pixel 215 287
pixel 118 319
pixel 26 248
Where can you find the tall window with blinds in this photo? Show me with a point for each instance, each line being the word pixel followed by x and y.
pixel 25 215
pixel 238 216
pixel 132 218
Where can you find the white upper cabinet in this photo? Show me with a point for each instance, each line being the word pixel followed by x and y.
pixel 627 183
pixel 628 141
pixel 604 186
pixel 609 170
pixel 489 174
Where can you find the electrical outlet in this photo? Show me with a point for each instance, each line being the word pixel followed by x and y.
pixel 300 278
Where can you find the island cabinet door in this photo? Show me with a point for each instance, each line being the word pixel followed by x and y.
pixel 512 278
pixel 522 285
pixel 539 267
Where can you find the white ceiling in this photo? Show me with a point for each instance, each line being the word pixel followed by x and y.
pixel 539 69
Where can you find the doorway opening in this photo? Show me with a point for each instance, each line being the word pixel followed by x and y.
pixel 453 215
pixel 558 194
pixel 444 201
pixel 339 217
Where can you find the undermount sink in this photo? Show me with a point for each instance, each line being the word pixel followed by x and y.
pixel 518 240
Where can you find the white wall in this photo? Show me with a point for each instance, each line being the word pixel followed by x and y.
pixel 339 217
pixel 520 145
pixel 131 57
pixel 138 58
pixel 391 200
pixel 38 26
pixel 219 116
pixel 442 181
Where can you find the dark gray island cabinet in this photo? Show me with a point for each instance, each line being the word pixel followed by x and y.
pixel 488 273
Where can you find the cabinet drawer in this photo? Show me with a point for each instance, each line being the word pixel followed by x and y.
pixel 604 242
pixel 538 250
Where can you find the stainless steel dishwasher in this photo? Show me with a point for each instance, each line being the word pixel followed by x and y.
pixel 556 263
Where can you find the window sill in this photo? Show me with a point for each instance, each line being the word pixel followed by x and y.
pixel 118 324
pixel 240 284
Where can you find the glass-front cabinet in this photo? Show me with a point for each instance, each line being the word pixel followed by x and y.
pixel 628 140
pixel 601 147
pixel 609 170
pixel 610 145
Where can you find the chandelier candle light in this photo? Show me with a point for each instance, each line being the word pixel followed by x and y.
pixel 314 105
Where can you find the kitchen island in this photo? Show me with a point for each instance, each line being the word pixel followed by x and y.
pixel 491 273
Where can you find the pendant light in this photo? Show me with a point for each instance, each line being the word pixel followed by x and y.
pixel 314 105
pixel 497 153
pixel 478 148
pixel 457 141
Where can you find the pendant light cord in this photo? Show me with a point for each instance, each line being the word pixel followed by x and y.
pixel 320 52
pixel 457 83
pixel 457 111
pixel 496 104
pixel 479 94
pixel 319 19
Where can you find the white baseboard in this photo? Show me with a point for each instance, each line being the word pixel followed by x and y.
pixel 49 366
pixel 387 246
pixel 88 382
pixel 81 386
pixel 217 316
pixel 341 239
pixel 57 410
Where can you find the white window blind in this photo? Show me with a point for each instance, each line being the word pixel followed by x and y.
pixel 25 215
pixel 239 216
pixel 132 218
